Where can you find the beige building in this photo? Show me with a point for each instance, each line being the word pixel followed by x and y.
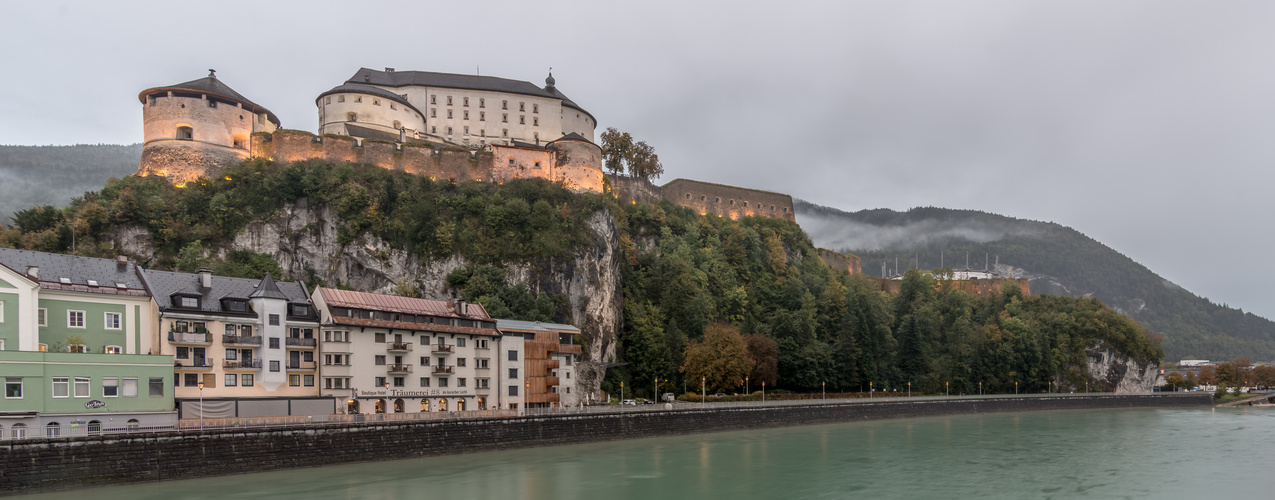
pixel 552 350
pixel 470 110
pixel 244 347
pixel 391 354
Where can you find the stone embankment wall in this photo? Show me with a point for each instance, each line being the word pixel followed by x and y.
pixel 48 464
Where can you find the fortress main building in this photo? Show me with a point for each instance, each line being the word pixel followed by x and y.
pixel 439 125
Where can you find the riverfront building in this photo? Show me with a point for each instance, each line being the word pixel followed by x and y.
pixel 244 347
pixel 391 354
pixel 550 361
pixel 75 348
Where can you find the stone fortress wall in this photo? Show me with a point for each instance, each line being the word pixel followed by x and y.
pixel 728 201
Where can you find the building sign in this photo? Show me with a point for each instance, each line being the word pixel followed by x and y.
pixel 422 393
pixel 94 404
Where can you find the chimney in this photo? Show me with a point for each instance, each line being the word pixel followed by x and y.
pixel 205 278
pixel 121 261
pixel 460 307
pixel 33 272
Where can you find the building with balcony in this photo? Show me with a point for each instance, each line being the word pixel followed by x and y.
pixel 391 354
pixel 248 347
pixel 551 350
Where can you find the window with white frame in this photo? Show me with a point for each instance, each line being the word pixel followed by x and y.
pixel 1 311
pixel 130 387
pixel 41 317
pixel 61 387
pixel 75 319
pixel 18 431
pixel 13 388
pixel 113 349
pixel 1 344
pixel 112 321
pixel 82 388
pixel 110 387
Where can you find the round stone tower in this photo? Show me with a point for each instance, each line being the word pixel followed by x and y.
pixel 197 128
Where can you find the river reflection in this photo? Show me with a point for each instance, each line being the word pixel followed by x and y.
pixel 1177 453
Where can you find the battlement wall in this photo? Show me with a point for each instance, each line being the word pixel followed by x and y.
pixel 443 163
pixel 841 262
pixel 728 201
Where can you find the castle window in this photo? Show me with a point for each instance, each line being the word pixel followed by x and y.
pixel 466 102
pixel 482 132
pixel 522 107
pixel 745 204
pixel 482 103
pixel 785 209
pixel 449 131
pixel 522 119
pixel 732 202
pixel 467 114
pixel 504 132
pixel 392 106
pixel 703 198
pixel 504 117
pixel 688 196
pixel 358 98
pixel 340 98
pixel 433 130
pixel 376 102
pixel 212 103
pixel 511 162
pixel 185 133
pixel 433 112
pixel 466 130
pixel 351 117
pixel 537 164
pixel 772 208
pixel 449 114
pixel 449 100
pixel 504 104
pixel 327 100
pixel 535 108
pixel 398 124
pixel 482 116
pixel 717 200
pixel 535 121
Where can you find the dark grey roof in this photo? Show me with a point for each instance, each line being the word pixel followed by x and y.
pixel 573 137
pixel 164 284
pixel 366 76
pixel 369 133
pixel 364 89
pixel 268 290
pixel 104 273
pixel 211 85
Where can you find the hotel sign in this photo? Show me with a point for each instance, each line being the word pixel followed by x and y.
pixel 420 393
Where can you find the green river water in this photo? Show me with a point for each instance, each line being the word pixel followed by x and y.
pixel 1136 453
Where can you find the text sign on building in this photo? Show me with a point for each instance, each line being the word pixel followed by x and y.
pixel 411 394
pixel 94 404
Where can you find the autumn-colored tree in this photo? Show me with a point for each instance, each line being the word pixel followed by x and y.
pixel 1175 380
pixel 720 359
pixel 1263 376
pixel 1207 376
pixel 764 354
pixel 1191 382
pixel 1234 373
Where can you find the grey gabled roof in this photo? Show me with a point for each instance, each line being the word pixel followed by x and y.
pixel 105 274
pixel 367 76
pixel 573 137
pixel 535 326
pixel 164 284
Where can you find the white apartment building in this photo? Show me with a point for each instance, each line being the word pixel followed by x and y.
pixel 392 354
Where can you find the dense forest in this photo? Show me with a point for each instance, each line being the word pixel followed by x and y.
pixel 1059 259
pixel 42 175
pixel 703 296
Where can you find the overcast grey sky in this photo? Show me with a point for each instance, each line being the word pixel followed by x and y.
pixel 1146 125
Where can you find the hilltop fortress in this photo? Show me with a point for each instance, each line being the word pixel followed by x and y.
pixel 439 125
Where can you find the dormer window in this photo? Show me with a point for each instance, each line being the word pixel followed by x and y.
pixel 300 310
pixel 93 283
pixel 237 306
pixel 64 281
pixel 188 302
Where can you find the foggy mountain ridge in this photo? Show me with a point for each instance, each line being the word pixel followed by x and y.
pixel 1057 259
pixel 53 175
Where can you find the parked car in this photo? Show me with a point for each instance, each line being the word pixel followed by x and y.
pixel 629 402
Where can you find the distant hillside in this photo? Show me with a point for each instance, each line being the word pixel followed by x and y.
pixel 52 175
pixel 1059 260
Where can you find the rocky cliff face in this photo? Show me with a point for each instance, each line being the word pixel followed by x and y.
pixel 303 240
pixel 1119 373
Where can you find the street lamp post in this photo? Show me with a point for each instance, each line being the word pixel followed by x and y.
pixel 703 391
pixel 746 386
pixel 763 391
pixel 1015 387
pixel 201 406
pixel 947 386
pixel 909 388
pixel 980 388
pixel 621 392
pixel 824 386
pixel 871 389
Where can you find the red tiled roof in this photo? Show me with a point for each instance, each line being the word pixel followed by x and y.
pixel 394 303
pixel 407 325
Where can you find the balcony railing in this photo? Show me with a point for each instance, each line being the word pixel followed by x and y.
pixel 304 365
pixel 443 369
pixel 194 363
pixel 398 346
pixel 301 341
pixel 443 349
pixel 399 368
pixel 240 340
pixel 189 338
pixel 243 364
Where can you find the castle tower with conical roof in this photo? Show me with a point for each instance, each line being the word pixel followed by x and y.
pixel 197 128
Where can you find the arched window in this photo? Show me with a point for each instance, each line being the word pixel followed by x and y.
pixel 424 405
pixel 18 431
pixel 482 403
pixel 95 427
pixel 52 430
pixel 133 424
pixel 352 406
pixel 460 404
pixel 442 404
pixel 185 133
pixel 1 432
pixel 398 406
pixel 380 406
